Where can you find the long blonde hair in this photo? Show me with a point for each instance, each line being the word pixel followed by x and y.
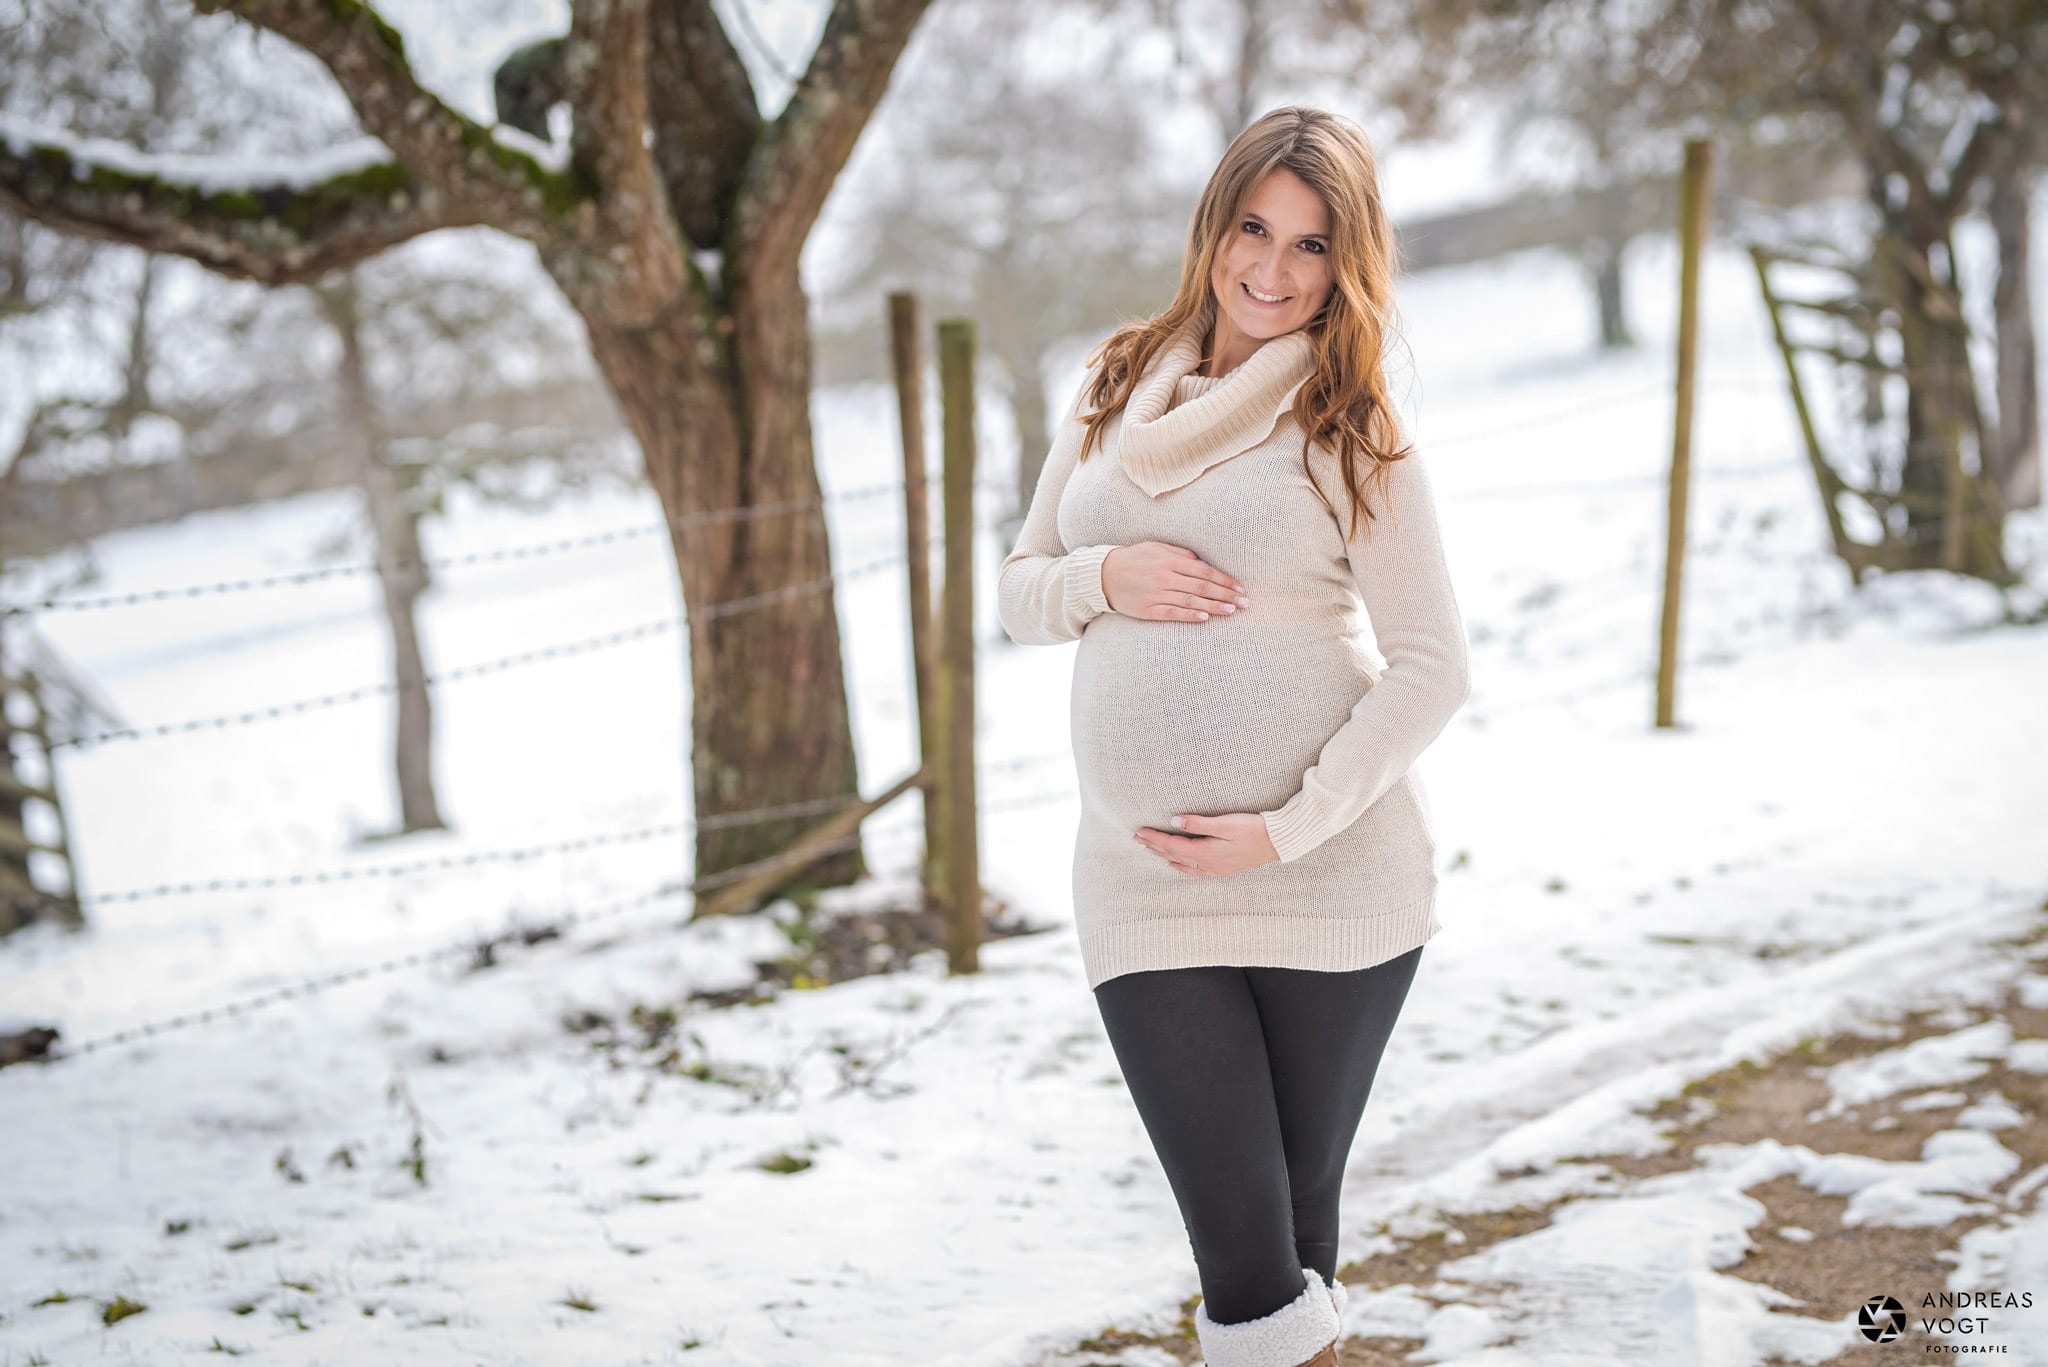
pixel 1344 404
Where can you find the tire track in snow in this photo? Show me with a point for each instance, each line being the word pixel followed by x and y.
pixel 1500 1113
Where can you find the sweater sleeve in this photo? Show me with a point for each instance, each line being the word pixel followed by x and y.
pixel 1045 592
pixel 1406 586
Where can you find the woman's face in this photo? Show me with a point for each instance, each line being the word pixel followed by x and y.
pixel 1279 246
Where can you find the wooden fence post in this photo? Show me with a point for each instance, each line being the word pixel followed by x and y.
pixel 1692 228
pixel 906 356
pixel 955 770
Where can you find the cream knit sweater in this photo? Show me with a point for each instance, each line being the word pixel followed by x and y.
pixel 1278 709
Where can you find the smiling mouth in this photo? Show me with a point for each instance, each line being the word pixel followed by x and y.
pixel 1269 303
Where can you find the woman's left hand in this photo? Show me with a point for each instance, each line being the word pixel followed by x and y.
pixel 1211 846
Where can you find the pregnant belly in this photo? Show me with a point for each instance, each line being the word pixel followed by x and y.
pixel 1207 717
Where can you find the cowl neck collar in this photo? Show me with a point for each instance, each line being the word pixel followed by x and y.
pixel 1164 445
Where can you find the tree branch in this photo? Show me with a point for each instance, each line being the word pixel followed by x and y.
pixel 791 172
pixel 1855 86
pixel 706 115
pixel 638 271
pixel 1995 143
pixel 450 155
pixel 273 231
pixel 367 57
pixel 1992 143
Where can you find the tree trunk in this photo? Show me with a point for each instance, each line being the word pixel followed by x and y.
pixel 401 574
pixel 1603 254
pixel 770 722
pixel 2016 452
pixel 1034 439
pixel 1606 267
pixel 15 911
pixel 1951 514
pixel 1254 53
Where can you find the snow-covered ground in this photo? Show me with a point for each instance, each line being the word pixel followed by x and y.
pixel 427 1166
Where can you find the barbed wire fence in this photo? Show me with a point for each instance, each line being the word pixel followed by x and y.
pixel 481 948
pixel 859 494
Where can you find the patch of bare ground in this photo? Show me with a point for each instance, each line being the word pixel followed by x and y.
pixel 1838 1267
pixel 834 947
pixel 1784 1098
pixel 1180 1342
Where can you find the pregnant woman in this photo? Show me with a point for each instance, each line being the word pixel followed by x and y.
pixel 1255 868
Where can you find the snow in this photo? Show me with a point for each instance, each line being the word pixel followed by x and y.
pixel 1626 910
pixel 1930 1062
pixel 218 173
pixel 1674 1233
pixel 209 174
pixel 2011 1255
pixel 552 155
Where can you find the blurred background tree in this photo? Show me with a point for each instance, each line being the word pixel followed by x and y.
pixel 1038 206
pixel 1930 107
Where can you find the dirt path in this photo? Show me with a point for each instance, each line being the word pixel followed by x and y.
pixel 1815 1263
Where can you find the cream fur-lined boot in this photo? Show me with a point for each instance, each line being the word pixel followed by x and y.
pixel 1301 1333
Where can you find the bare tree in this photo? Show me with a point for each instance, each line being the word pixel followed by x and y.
pixel 1570 83
pixel 1934 102
pixel 1586 81
pixel 1031 203
pixel 1238 58
pixel 673 227
pixel 409 331
pixel 401 571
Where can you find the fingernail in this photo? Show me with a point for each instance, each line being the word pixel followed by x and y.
pixel 1180 821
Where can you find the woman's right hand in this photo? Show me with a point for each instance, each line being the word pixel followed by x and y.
pixel 1161 582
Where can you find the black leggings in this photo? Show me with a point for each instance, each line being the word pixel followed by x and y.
pixel 1251 1082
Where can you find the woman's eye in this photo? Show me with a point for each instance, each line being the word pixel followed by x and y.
pixel 1250 226
pixel 1320 248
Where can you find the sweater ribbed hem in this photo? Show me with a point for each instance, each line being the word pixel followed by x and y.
pixel 1295 827
pixel 1334 944
pixel 1084 597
